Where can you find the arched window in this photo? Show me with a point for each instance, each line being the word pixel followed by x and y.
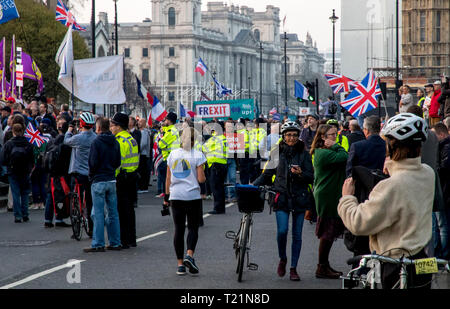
pixel 172 17
pixel 257 35
pixel 101 52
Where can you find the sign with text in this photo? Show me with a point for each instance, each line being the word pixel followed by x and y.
pixel 213 110
pixel 305 111
pixel 235 142
pixel 224 109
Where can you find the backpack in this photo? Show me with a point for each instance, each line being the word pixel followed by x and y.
pixel 51 158
pixel 18 158
pixel 332 109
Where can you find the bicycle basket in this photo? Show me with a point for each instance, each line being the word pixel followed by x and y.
pixel 250 199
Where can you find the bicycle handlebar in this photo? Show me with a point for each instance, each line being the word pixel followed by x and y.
pixel 390 260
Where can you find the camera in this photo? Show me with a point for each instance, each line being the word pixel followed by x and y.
pixel 165 211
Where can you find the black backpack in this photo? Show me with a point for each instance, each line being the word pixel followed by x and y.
pixel 18 160
pixel 51 158
pixel 332 109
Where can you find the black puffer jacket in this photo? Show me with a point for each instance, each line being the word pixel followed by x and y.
pixel 292 190
pixel 444 169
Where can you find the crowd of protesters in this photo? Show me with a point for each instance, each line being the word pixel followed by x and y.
pixel 317 154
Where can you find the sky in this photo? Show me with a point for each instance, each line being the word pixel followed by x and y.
pixel 302 16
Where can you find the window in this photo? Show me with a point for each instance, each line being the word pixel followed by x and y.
pixel 145 52
pixel 257 35
pixel 422 61
pixel 171 51
pixel 422 26
pixel 172 17
pixel 171 96
pixel 127 53
pixel 171 75
pixel 438 26
pixel 145 75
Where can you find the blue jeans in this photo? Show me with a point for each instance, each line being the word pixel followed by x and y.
pixel 282 232
pixel 104 194
pixel 231 179
pixel 162 173
pixel 20 190
pixel 440 233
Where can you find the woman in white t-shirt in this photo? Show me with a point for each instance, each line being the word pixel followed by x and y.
pixel 185 172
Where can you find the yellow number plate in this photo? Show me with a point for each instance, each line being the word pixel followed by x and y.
pixel 426 266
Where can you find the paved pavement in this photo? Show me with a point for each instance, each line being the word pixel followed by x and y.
pixel 35 258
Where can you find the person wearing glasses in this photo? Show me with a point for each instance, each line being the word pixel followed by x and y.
pixel 293 175
pixel 329 160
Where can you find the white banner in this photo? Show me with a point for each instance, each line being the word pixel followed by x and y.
pixel 99 80
pixel 305 111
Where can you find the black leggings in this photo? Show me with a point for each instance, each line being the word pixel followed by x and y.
pixel 193 211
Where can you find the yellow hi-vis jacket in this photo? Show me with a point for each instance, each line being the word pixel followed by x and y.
pixel 129 152
pixel 169 142
pixel 255 137
pixel 215 150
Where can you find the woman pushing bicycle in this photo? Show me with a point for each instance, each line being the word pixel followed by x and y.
pixel 398 214
pixel 294 174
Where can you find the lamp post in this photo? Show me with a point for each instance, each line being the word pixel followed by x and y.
pixel 249 85
pixel 260 76
pixel 93 39
pixel 334 19
pixel 397 61
pixel 240 77
pixel 277 96
pixel 285 74
pixel 115 28
pixel 215 86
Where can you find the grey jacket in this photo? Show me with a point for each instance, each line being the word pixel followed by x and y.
pixel 81 144
pixel 145 143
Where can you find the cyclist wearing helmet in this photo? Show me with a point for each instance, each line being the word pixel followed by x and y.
pixel 294 173
pixel 397 217
pixel 341 139
pixel 79 160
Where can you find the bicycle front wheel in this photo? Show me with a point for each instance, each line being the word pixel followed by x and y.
pixel 75 216
pixel 243 248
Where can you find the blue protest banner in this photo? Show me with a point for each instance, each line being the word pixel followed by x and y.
pixel 8 11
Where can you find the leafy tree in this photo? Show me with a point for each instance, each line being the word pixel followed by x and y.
pixel 40 35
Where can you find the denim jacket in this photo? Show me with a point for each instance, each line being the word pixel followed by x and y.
pixel 81 144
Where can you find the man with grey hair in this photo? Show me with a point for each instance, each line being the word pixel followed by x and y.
pixel 356 134
pixel 370 153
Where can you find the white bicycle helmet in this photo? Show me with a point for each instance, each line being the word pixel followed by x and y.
pixel 290 126
pixel 87 119
pixel 406 126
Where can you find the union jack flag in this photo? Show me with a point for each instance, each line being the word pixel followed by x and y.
pixel 340 83
pixel 66 18
pixel 34 136
pixel 273 111
pixel 364 97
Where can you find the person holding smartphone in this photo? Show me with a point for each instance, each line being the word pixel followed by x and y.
pixel 293 175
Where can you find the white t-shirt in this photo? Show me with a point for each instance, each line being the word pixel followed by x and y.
pixel 183 165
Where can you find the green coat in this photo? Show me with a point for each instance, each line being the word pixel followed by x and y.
pixel 329 176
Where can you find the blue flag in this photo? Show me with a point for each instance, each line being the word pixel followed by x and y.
pixel 182 111
pixel 300 91
pixel 8 11
pixel 222 90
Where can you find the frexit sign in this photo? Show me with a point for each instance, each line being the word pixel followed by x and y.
pixel 213 110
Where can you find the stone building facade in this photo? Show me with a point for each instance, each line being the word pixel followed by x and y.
pixel 426 38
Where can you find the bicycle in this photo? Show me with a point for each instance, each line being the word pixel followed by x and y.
pixel 371 262
pixel 251 200
pixel 78 211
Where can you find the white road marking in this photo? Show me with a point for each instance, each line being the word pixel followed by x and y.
pixel 150 236
pixel 69 265
pixel 41 274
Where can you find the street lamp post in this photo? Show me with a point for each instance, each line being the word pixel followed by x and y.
pixel 285 74
pixel 260 76
pixel 240 77
pixel 215 86
pixel 93 39
pixel 277 96
pixel 397 61
pixel 249 85
pixel 334 19
pixel 115 28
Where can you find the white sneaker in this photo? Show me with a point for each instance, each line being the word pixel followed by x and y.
pixel 34 206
